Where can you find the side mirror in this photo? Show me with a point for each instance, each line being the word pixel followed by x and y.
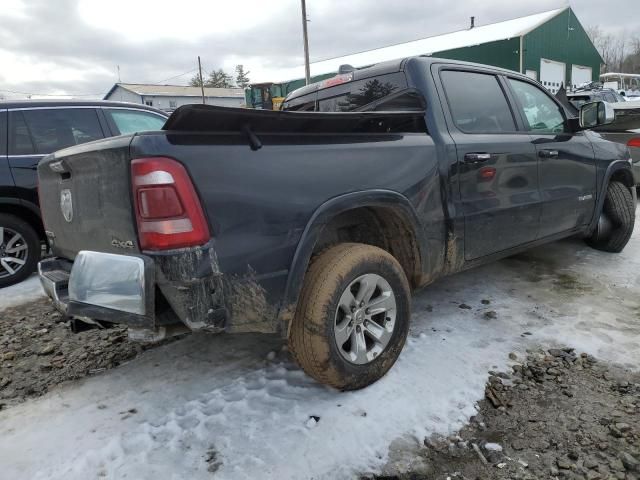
pixel 595 114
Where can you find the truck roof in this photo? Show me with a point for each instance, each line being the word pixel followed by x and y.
pixel 394 66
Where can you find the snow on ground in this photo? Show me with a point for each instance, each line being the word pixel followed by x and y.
pixel 23 292
pixel 227 403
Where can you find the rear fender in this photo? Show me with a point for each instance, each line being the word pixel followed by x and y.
pixel 323 215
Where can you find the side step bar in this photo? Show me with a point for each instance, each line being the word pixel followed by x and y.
pixel 54 277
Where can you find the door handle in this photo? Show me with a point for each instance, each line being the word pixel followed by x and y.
pixel 548 153
pixel 476 157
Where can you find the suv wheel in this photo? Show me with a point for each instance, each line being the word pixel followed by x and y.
pixel 19 249
pixel 616 221
pixel 353 316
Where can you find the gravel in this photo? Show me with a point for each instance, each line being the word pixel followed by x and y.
pixel 38 351
pixel 555 415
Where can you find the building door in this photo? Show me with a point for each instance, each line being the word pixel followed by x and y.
pixel 579 75
pixel 497 165
pixel 552 75
pixel 532 74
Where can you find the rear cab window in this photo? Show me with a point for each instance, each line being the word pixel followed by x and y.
pixel 356 95
pixel 477 102
pixel 388 92
pixel 123 121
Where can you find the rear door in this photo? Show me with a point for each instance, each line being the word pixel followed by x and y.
pixel 567 164
pixel 36 132
pixel 497 164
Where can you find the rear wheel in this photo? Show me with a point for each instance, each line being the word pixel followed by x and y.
pixel 353 316
pixel 19 249
pixel 616 221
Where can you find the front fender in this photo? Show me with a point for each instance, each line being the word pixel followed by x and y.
pixel 322 215
pixel 616 167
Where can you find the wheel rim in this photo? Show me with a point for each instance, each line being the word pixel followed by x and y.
pixel 365 319
pixel 13 252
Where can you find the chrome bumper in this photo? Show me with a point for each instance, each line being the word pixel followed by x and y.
pixel 102 286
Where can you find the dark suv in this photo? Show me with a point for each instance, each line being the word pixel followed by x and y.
pixel 29 130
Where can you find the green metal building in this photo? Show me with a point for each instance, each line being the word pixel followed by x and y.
pixel 552 47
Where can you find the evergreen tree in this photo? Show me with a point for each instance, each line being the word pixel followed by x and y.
pixel 242 77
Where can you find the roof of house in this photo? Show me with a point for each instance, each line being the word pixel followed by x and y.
pixel 177 90
pixel 478 35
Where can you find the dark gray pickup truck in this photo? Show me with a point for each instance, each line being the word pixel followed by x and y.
pixel 317 223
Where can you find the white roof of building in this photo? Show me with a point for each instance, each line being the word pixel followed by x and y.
pixel 431 45
pixel 181 90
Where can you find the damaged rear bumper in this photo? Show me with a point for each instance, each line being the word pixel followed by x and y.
pixel 151 293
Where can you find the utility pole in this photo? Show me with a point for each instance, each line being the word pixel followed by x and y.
pixel 307 73
pixel 201 81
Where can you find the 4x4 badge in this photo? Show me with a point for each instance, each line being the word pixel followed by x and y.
pixel 66 204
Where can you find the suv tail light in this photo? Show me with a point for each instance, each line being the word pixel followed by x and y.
pixel 634 142
pixel 168 210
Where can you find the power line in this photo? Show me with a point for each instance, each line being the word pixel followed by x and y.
pixel 175 76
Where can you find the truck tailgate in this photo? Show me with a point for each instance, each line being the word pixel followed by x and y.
pixel 85 198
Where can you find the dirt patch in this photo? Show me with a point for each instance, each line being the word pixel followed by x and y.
pixel 38 351
pixel 556 415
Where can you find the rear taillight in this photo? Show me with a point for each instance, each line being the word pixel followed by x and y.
pixel 634 142
pixel 168 210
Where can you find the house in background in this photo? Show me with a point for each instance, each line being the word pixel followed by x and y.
pixel 170 97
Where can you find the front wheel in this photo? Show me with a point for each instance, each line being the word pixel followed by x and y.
pixel 19 249
pixel 616 221
pixel 353 316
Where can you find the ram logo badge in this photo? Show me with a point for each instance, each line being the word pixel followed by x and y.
pixel 66 204
pixel 122 243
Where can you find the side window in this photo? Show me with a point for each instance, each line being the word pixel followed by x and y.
pixel 59 128
pixel 173 104
pixel 3 133
pixel 355 95
pixel 541 113
pixel 131 121
pixel 477 102
pixel 20 142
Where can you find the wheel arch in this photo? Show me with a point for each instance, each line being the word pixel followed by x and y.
pixel 27 211
pixel 619 170
pixel 399 211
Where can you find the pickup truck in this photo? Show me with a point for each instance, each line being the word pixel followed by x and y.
pixel 318 222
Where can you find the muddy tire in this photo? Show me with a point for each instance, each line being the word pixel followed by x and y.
pixel 20 250
pixel 353 316
pixel 616 222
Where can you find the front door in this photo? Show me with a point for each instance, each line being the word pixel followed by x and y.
pixel 567 164
pixel 497 165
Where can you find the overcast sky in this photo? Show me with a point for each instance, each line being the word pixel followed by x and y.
pixel 75 46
